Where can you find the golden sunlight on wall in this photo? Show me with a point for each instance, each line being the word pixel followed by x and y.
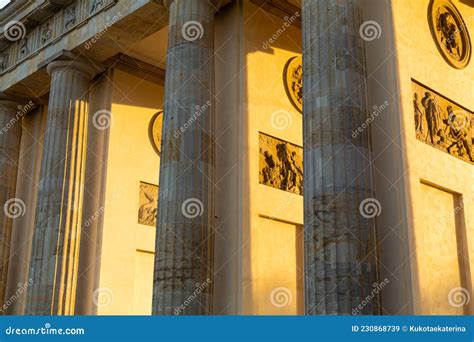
pixel 126 271
pixel 438 242
pixel 270 250
pixel 277 254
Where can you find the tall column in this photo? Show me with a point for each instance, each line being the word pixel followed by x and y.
pixel 338 252
pixel 29 165
pixel 11 207
pixel 184 240
pixel 55 250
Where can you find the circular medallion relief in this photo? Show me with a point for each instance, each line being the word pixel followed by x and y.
pixel 450 33
pixel 154 131
pixel 293 80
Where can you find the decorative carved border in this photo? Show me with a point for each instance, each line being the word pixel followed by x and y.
pixel 51 31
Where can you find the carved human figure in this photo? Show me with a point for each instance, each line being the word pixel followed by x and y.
pixel 96 4
pixel 297 83
pixel 418 115
pixel 23 48
pixel 431 115
pixel 70 16
pixel 45 33
pixel 449 33
pixel 147 212
pixel 270 172
pixel 288 170
pixel 459 136
pixel 298 171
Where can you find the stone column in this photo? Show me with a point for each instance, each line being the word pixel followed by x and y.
pixel 55 250
pixel 29 165
pixel 11 207
pixel 338 253
pixel 184 240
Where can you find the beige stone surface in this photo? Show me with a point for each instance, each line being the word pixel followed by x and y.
pixel 405 51
pixel 271 112
pixel 420 161
pixel 134 102
pixel 437 243
pixel 258 227
pixel 277 286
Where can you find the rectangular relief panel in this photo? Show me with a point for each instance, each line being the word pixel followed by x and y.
pixel 148 204
pixel 281 164
pixel 441 253
pixel 443 123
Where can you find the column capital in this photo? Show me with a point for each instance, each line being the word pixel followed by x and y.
pixel 72 65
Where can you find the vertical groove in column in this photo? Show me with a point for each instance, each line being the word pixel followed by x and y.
pixel 338 272
pixel 184 240
pixel 10 207
pixel 53 264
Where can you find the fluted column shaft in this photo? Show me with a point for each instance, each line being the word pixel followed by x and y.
pixel 11 207
pixel 184 241
pixel 55 250
pixel 338 251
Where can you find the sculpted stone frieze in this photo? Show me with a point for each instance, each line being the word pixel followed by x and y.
pixel 281 164
pixel 147 204
pixel 25 41
pixel 442 123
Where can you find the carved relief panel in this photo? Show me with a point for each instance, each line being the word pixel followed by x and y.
pixel 442 123
pixel 281 164
pixel 450 33
pixel 148 204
